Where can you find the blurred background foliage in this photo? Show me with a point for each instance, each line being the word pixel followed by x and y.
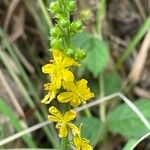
pixel 117 42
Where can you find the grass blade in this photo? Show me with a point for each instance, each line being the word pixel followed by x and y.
pixel 6 110
pixel 27 97
pixel 144 28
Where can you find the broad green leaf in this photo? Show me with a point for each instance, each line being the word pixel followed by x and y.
pixel 92 129
pixel 6 110
pixel 79 40
pixel 124 121
pixel 97 52
pixel 112 83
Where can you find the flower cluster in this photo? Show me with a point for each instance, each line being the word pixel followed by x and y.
pixel 62 85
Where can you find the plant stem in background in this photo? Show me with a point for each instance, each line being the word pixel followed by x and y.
pixel 45 13
pixel 64 143
pixel 99 19
pixel 103 105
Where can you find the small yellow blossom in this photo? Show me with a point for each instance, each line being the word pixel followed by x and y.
pixel 63 121
pixel 58 69
pixel 77 92
pixel 81 143
pixel 52 91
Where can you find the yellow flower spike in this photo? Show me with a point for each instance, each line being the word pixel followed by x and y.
pixel 58 69
pixel 77 92
pixel 63 122
pixel 52 91
pixel 81 143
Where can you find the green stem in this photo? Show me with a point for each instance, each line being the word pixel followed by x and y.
pixel 102 105
pixel 64 143
pixel 87 111
pixel 100 16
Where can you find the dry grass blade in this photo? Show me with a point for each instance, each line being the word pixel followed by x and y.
pixel 10 11
pixel 11 62
pixel 11 94
pixel 18 29
pixel 140 8
pixel 140 60
pixel 141 92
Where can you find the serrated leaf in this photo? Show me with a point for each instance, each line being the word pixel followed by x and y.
pixel 97 52
pixel 112 83
pixel 124 121
pixel 6 110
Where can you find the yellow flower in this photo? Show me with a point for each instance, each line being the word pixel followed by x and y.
pixel 81 143
pixel 77 92
pixel 58 70
pixel 63 121
pixel 52 91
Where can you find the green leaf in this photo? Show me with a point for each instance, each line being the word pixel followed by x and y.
pixel 97 52
pixel 112 83
pixel 124 121
pixel 80 39
pixel 6 110
pixel 92 129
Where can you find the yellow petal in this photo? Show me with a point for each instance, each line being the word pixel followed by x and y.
pixel 53 95
pixel 55 112
pixel 53 118
pixel 70 86
pixel 63 131
pixel 47 86
pixel 46 99
pixel 69 115
pixel 83 90
pixel 56 80
pixel 57 55
pixel 64 97
pixel 75 101
pixel 48 68
pixel 69 62
pixel 67 75
pixel 77 142
pixel 86 146
pixel 82 83
pixel 75 130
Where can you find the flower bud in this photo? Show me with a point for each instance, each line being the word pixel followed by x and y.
pixel 63 22
pixel 54 7
pixel 76 26
pixel 56 32
pixel 80 55
pixel 71 5
pixel 56 43
pixel 70 52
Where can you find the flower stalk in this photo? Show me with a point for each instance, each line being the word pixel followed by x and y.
pixel 63 86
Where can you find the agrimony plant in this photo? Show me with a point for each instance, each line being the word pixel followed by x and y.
pixel 63 85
